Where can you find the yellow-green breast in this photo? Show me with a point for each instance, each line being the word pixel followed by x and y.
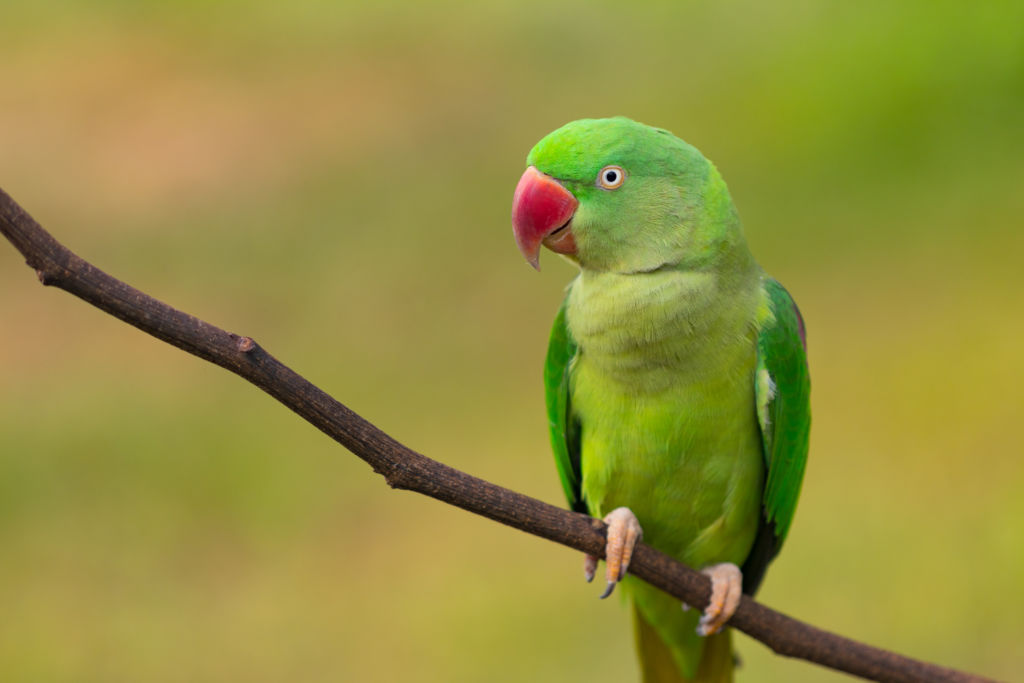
pixel 663 388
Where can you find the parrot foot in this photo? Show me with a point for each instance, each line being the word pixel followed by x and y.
pixel 726 590
pixel 624 532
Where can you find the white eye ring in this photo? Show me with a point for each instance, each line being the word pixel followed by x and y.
pixel 611 177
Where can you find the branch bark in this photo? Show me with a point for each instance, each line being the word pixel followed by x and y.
pixel 404 468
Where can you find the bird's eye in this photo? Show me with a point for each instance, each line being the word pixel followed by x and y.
pixel 611 177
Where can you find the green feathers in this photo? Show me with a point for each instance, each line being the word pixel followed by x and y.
pixel 783 397
pixel 563 430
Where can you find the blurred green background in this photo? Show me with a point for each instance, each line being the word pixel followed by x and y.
pixel 335 180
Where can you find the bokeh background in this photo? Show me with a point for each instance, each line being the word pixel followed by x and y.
pixel 335 180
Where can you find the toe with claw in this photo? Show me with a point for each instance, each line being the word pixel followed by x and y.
pixel 590 567
pixel 726 590
pixel 624 532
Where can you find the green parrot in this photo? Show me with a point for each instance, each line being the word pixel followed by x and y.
pixel 676 376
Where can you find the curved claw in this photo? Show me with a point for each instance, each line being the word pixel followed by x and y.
pixel 589 567
pixel 624 532
pixel 726 590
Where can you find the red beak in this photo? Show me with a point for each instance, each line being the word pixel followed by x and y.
pixel 541 211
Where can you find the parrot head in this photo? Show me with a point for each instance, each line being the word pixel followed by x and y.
pixel 616 195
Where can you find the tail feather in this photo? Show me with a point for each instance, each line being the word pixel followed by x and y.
pixel 659 665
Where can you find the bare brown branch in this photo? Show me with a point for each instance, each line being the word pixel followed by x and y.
pixel 404 468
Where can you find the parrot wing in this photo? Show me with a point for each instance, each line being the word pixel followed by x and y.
pixel 564 429
pixel 782 391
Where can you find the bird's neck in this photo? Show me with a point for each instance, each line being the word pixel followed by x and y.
pixel 635 327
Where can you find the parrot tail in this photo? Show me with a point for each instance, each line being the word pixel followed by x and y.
pixel 658 665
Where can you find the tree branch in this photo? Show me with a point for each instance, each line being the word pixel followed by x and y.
pixel 404 468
